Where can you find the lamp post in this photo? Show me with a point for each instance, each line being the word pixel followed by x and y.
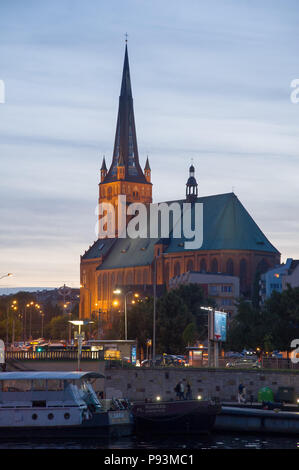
pixel 14 308
pixel 42 315
pixel 118 292
pixel 155 307
pixel 210 334
pixel 80 336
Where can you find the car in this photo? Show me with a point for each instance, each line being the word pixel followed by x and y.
pixel 234 354
pixel 244 364
pixel 277 355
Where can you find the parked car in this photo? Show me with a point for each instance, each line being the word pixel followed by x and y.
pixel 234 354
pixel 277 354
pixel 244 364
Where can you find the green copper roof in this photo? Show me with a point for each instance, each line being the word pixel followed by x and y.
pixel 226 226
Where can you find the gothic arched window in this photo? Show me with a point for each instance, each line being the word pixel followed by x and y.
pixel 190 265
pixel 177 269
pixel 203 266
pixel 243 274
pixel 214 266
pixel 105 287
pixel 262 267
pixel 129 278
pixel 230 267
pixel 119 281
pixel 100 288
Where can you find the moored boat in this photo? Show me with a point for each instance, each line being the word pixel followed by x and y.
pixel 59 404
pixel 254 419
pixel 175 417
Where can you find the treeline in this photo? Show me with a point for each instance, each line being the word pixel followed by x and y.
pixel 269 328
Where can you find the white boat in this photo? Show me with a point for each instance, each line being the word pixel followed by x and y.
pixel 59 404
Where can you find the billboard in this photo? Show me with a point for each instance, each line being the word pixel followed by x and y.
pixel 219 326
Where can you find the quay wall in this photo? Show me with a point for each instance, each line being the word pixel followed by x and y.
pixel 140 383
pixel 222 384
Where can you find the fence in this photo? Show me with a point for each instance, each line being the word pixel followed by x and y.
pixel 53 355
pixel 267 363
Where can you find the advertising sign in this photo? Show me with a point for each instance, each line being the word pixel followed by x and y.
pixel 133 355
pixel 220 319
pixel 2 352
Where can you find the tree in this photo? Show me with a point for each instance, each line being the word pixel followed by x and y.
pixel 247 329
pixel 57 328
pixel 190 334
pixel 283 311
pixel 172 318
pixel 194 298
pixel 272 327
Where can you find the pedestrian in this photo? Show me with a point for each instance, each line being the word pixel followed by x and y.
pixel 177 389
pixel 182 390
pixel 189 392
pixel 241 394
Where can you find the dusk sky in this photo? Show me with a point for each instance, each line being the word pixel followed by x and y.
pixel 211 81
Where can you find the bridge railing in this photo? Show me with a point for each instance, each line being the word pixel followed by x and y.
pixel 53 355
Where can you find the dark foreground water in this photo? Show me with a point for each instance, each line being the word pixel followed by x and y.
pixel 214 441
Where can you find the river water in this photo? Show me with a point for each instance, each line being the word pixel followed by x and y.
pixel 213 441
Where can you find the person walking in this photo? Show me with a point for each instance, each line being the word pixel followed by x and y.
pixel 241 394
pixel 182 390
pixel 189 391
pixel 177 389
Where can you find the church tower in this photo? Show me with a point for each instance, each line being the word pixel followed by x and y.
pixel 125 176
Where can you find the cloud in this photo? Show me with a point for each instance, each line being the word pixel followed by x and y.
pixel 211 81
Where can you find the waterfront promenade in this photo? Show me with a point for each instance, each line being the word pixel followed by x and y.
pixel 138 383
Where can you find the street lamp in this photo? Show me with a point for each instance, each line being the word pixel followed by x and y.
pixel 6 275
pixel 210 311
pixel 42 315
pixel 118 292
pixel 80 336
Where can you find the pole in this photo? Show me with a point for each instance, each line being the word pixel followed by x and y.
pixel 89 303
pixel 154 313
pixel 79 346
pixel 126 321
pixel 7 314
pixel 216 353
pixel 24 325
pixel 99 329
pixel 13 331
pixel 30 318
pixel 209 341
pixel 70 329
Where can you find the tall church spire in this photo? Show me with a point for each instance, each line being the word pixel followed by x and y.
pixel 125 146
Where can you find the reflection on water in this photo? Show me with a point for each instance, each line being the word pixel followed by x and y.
pixel 213 441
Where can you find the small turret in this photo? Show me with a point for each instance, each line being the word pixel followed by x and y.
pixel 147 171
pixel 103 170
pixel 191 186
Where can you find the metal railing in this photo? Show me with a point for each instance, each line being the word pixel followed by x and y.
pixel 53 355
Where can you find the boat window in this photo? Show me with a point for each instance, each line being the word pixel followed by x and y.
pixel 55 385
pixel 16 385
pixel 39 385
